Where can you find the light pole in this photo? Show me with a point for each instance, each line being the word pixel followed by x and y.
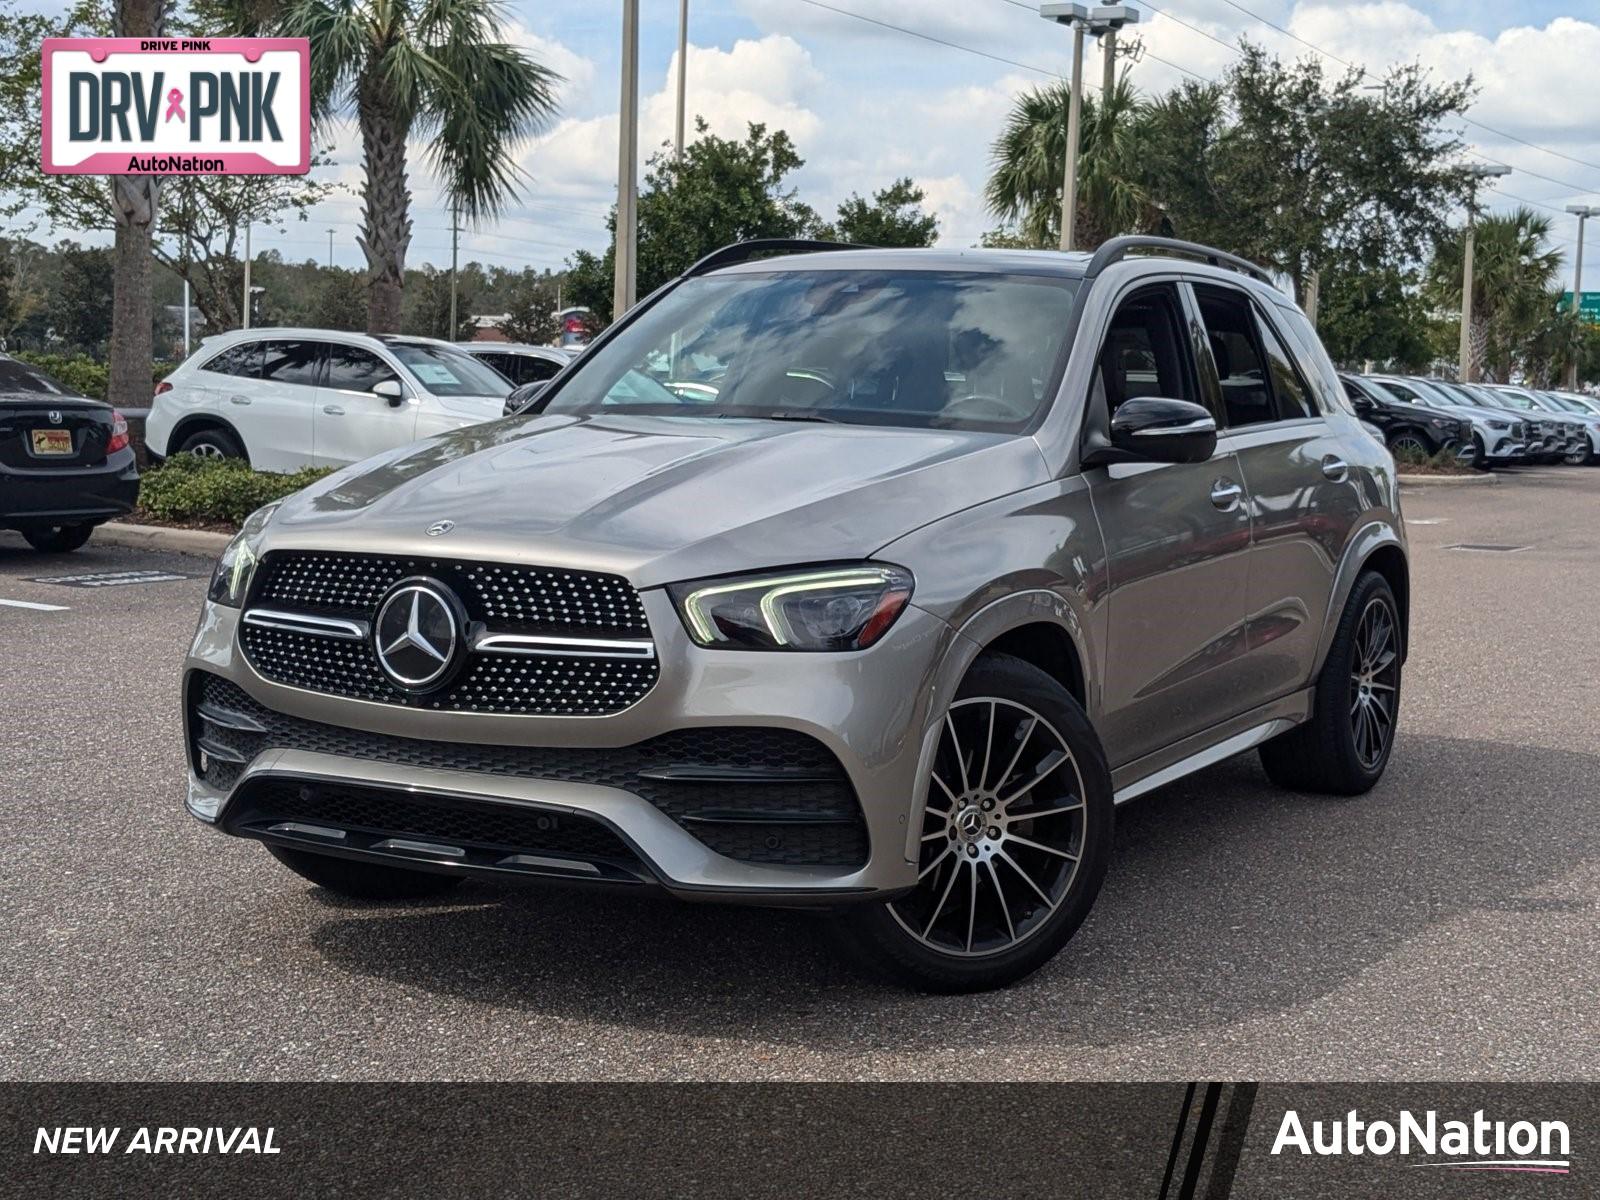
pixel 683 73
pixel 330 249
pixel 1106 21
pixel 1475 174
pixel 1583 212
pixel 1075 16
pixel 625 284
pixel 247 275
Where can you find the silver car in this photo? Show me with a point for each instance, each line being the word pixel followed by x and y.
pixel 943 556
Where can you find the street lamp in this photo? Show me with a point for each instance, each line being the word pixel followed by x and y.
pixel 683 74
pixel 1076 17
pixel 1105 21
pixel 625 283
pixel 1475 175
pixel 1583 212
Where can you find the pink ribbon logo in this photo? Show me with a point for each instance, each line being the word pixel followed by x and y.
pixel 175 105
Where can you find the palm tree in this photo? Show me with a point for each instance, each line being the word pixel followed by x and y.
pixel 1513 273
pixel 437 69
pixel 133 210
pixel 1030 157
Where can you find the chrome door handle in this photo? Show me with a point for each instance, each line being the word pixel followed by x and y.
pixel 333 410
pixel 1225 494
pixel 1335 468
pixel 238 399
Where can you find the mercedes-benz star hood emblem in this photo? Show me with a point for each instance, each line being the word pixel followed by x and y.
pixel 416 634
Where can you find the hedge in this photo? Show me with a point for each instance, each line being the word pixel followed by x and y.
pixel 215 491
pixel 84 374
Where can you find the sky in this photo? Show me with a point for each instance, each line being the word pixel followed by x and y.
pixel 866 104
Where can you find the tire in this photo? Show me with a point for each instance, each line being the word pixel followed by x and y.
pixel 1577 456
pixel 58 539
pixel 1054 837
pixel 1343 749
pixel 1480 460
pixel 213 443
pixel 1410 439
pixel 362 880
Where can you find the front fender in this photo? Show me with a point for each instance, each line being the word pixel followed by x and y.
pixel 1367 540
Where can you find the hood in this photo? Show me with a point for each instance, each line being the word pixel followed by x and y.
pixel 656 499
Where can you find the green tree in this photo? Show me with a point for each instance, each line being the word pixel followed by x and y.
pixel 893 217
pixel 339 301
pixel 1514 270
pixel 81 302
pixel 432 69
pixel 1301 172
pixel 723 191
pixel 427 306
pixel 1377 314
pixel 1030 155
pixel 531 313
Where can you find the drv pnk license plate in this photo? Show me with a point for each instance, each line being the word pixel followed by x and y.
pixel 52 441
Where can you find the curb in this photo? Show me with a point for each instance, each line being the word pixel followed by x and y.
pixel 1477 479
pixel 199 542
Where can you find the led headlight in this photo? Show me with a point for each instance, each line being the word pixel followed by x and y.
pixel 1499 424
pixel 1438 422
pixel 822 608
pixel 231 580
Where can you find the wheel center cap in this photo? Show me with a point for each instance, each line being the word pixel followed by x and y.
pixel 970 823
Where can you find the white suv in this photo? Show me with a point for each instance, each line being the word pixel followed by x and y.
pixel 283 399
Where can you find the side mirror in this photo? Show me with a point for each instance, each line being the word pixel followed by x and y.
pixel 391 391
pixel 520 398
pixel 1155 429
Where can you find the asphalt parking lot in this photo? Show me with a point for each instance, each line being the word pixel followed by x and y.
pixel 1446 926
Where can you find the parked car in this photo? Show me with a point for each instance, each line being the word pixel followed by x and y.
pixel 1410 428
pixel 283 399
pixel 1497 436
pixel 966 548
pixel 520 363
pixel 66 464
pixel 1587 411
pixel 1567 441
pixel 577 327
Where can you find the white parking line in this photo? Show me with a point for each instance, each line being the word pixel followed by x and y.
pixel 34 604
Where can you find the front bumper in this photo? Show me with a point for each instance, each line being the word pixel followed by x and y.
pixel 869 710
pixel 69 495
pixel 1502 447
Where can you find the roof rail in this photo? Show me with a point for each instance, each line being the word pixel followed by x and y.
pixel 1116 249
pixel 744 251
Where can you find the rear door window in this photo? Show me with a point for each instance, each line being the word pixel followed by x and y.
pixel 291 362
pixel 1294 399
pixel 1242 371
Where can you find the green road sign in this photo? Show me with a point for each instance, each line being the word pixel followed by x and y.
pixel 1588 305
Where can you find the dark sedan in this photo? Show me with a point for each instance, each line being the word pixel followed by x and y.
pixel 65 461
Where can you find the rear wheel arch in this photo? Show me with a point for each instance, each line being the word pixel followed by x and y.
pixel 1390 562
pixel 201 423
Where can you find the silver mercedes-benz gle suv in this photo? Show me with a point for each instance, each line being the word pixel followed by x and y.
pixel 867 580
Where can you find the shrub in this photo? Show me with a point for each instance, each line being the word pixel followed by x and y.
pixel 1443 462
pixel 84 374
pixel 215 491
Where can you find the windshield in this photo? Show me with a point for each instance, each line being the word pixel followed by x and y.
pixel 1571 403
pixel 1455 394
pixel 446 372
pixel 1513 400
pixel 927 349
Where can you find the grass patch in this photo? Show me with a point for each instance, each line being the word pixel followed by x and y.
pixel 1444 462
pixel 211 493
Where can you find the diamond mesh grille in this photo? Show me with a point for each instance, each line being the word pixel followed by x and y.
pixel 506 598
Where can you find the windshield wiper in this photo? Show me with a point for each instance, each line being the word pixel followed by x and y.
pixel 796 414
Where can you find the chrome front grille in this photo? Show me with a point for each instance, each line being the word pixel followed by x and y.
pixel 539 641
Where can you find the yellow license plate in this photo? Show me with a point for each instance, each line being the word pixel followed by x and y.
pixel 52 441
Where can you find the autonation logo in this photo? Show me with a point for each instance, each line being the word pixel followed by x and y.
pixel 1476 1145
